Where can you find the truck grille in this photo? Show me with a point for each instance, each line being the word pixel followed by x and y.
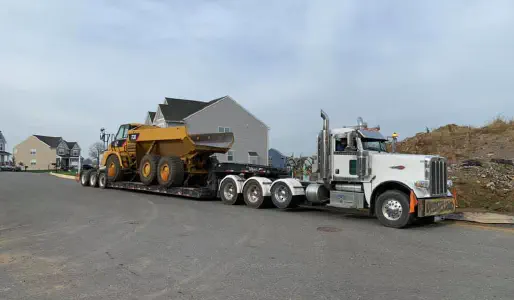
pixel 438 177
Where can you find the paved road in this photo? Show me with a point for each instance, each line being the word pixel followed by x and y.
pixel 59 240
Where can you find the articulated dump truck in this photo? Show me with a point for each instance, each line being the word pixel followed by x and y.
pixel 354 168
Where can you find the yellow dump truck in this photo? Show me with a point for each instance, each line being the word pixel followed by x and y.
pixel 167 160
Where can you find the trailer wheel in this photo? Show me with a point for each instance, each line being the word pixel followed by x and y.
pixel 392 209
pixel 84 177
pixel 228 192
pixel 93 179
pixel 148 169
pixel 170 171
pixel 113 165
pixel 282 196
pixel 253 196
pixel 102 180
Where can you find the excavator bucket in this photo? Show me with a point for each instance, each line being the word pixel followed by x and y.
pixel 213 141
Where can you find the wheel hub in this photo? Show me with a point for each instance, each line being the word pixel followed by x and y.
pixel 229 191
pixel 392 209
pixel 281 194
pixel 165 172
pixel 112 170
pixel 253 194
pixel 146 169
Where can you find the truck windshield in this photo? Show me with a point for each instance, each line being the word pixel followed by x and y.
pixel 374 145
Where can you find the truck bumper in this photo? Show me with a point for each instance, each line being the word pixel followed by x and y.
pixel 436 206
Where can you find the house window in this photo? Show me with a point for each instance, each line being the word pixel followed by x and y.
pixel 224 129
pixel 33 151
pixel 253 158
pixel 1 147
pixel 61 151
pixel 230 155
pixel 75 153
pixel 33 162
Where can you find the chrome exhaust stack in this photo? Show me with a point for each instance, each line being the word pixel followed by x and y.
pixel 324 150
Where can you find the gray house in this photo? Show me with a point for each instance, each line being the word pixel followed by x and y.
pixel 4 155
pixel 218 115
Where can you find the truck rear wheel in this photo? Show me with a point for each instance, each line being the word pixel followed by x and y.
pixel 392 209
pixel 170 171
pixel 84 177
pixel 148 169
pixel 114 172
pixel 102 180
pixel 282 196
pixel 228 192
pixel 93 178
pixel 253 195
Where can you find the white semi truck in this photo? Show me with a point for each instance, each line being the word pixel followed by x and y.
pixel 355 172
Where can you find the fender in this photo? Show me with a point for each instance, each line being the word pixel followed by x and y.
pixel 239 182
pixel 106 155
pixel 294 185
pixel 265 184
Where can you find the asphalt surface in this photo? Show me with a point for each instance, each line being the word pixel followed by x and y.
pixel 59 240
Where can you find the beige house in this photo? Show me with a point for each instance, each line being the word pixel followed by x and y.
pixel 40 152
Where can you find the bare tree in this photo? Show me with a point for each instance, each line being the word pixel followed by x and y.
pixel 95 150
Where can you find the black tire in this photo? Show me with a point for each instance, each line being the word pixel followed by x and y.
pixel 114 172
pixel 228 192
pixel 102 180
pixel 84 177
pixel 253 196
pixel 397 203
pixel 148 169
pixel 93 178
pixel 175 171
pixel 281 196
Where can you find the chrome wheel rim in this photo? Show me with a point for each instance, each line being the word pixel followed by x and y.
pixel 253 194
pixel 281 194
pixel 102 181
pixel 392 209
pixel 92 179
pixel 83 179
pixel 229 191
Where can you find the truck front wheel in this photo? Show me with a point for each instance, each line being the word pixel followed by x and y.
pixel 392 209
pixel 114 172
pixel 253 195
pixel 228 192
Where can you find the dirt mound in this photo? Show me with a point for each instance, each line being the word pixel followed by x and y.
pixel 480 158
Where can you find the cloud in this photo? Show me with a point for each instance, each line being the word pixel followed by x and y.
pixel 71 67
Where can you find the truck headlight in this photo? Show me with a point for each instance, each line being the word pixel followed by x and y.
pixel 449 183
pixel 422 184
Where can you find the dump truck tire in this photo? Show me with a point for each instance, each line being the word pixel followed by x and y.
pixel 170 171
pixel 84 177
pixel 148 169
pixel 114 172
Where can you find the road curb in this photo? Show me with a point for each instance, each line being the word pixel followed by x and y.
pixel 481 217
pixel 62 176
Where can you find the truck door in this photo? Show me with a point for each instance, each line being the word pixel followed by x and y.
pixel 121 137
pixel 344 167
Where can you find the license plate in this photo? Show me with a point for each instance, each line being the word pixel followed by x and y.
pixel 442 206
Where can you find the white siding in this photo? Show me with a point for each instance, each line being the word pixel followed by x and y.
pixel 250 134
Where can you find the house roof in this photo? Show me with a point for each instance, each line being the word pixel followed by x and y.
pixel 52 141
pixel 178 109
pixel 2 138
pixel 151 114
pixel 71 144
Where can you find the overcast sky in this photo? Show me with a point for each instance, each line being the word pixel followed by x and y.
pixel 68 68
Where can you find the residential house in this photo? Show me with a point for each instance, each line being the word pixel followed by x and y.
pixel 277 159
pixel 219 115
pixel 4 155
pixel 39 152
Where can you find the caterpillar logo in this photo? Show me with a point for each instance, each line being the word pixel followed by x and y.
pixel 133 137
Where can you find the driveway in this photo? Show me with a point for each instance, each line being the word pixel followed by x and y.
pixel 59 240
